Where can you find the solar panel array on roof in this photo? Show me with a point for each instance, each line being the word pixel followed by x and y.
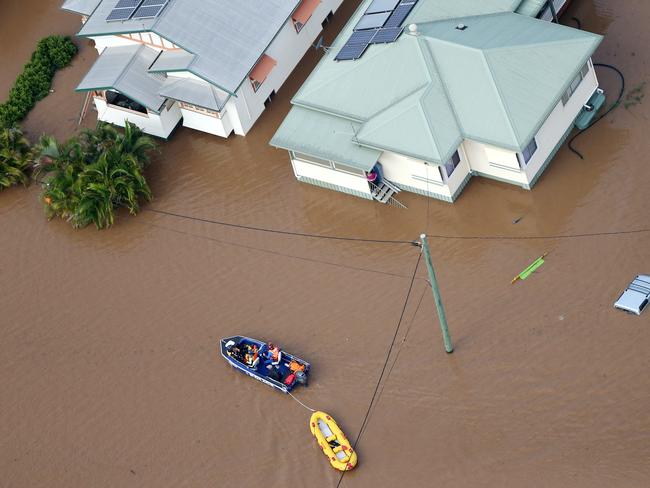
pixel 381 23
pixel 124 10
pixel 150 9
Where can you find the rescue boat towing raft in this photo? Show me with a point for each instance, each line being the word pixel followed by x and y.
pixel 289 371
pixel 333 442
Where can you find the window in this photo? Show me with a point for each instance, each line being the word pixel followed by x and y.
pixel 303 13
pixel 344 168
pixel 311 159
pixel 327 20
pixel 575 83
pixel 261 71
pixel 527 153
pixel 450 165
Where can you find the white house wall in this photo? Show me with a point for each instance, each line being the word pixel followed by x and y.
pixel 558 123
pixel 206 123
pixel 160 125
pixel 417 176
pixel 329 178
pixel 287 49
pixel 503 165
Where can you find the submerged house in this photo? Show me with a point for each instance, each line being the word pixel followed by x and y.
pixel 466 89
pixel 212 64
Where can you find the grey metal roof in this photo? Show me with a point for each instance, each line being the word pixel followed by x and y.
pixel 195 92
pixel 228 37
pixel 83 7
pixel 124 69
pixel 172 61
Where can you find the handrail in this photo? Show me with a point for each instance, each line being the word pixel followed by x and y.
pixel 374 189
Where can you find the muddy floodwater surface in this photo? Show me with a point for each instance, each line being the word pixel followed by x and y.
pixel 109 371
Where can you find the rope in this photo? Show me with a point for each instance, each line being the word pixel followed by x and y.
pixel 383 369
pixel 308 408
pixel 616 104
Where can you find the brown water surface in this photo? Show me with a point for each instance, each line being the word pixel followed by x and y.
pixel 108 367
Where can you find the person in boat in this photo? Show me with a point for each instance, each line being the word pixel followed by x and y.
pixel 273 356
pixel 235 352
pixel 251 358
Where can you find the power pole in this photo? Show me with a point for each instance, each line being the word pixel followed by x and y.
pixel 436 296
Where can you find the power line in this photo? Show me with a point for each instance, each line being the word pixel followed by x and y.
pixel 275 253
pixel 556 236
pixel 386 241
pixel 383 369
pixel 277 231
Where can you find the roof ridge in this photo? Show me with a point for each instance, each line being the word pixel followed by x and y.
pixel 443 85
pixel 429 61
pixel 589 39
pixel 502 103
pixel 129 64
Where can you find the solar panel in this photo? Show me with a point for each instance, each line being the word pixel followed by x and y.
pixel 382 6
pixel 147 3
pixel 372 21
pixel 121 13
pixel 351 51
pixel 128 4
pixel 399 15
pixel 362 37
pixel 386 35
pixel 149 11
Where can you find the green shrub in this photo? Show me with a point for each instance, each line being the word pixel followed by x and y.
pixel 88 177
pixel 33 84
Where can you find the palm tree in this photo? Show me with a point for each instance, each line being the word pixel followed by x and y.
pixel 135 143
pixel 15 158
pixel 88 177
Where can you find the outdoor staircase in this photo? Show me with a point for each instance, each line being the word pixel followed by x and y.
pixel 384 193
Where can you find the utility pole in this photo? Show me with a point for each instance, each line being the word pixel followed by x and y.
pixel 436 295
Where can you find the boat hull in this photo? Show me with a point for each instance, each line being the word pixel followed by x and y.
pixel 258 373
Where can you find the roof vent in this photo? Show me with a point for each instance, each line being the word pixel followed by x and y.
pixel 461 27
pixel 413 29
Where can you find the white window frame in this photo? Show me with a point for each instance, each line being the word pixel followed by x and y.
pixel 344 168
pixel 306 158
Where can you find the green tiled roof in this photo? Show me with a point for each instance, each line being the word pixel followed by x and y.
pixel 494 82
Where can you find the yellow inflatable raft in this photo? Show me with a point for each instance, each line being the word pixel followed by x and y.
pixel 333 442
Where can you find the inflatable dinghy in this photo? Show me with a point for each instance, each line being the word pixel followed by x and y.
pixel 333 442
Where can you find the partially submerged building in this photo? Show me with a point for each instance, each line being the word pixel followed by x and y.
pixel 468 89
pixel 212 64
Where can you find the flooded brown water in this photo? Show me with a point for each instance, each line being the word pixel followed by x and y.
pixel 108 367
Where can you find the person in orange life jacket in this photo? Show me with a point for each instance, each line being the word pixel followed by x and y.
pixel 273 355
pixel 251 355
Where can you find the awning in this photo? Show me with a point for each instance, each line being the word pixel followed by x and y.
pixel 305 10
pixel 124 68
pixel 262 69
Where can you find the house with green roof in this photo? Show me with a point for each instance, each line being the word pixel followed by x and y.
pixel 466 89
